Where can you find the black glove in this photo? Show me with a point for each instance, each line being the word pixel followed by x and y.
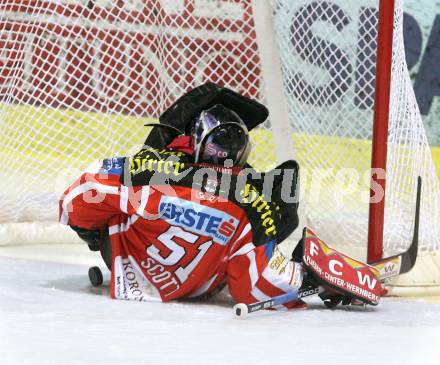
pixel 97 240
pixel 332 298
pixel 91 237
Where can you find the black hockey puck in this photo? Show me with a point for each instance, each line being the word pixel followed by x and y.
pixel 95 276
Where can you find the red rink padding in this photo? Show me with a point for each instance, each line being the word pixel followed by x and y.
pixel 340 271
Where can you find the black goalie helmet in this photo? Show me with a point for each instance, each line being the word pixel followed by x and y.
pixel 220 135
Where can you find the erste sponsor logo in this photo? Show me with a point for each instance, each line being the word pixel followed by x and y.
pixel 198 218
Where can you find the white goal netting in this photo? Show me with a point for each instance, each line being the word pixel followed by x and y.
pixel 328 51
pixel 78 79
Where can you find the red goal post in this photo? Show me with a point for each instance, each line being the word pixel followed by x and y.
pixel 78 79
pixel 380 126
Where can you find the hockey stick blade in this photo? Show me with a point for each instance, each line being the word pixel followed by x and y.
pixel 241 310
pixel 405 261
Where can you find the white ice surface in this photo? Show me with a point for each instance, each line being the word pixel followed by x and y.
pixel 50 314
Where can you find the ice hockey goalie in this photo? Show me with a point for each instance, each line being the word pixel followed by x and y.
pixel 187 216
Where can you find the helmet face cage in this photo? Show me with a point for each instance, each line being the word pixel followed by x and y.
pixel 220 135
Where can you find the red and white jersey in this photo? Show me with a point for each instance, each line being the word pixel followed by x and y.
pixel 174 242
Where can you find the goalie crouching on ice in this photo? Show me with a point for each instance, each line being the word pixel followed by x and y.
pixel 186 215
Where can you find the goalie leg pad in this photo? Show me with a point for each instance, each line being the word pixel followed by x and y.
pixel 340 272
